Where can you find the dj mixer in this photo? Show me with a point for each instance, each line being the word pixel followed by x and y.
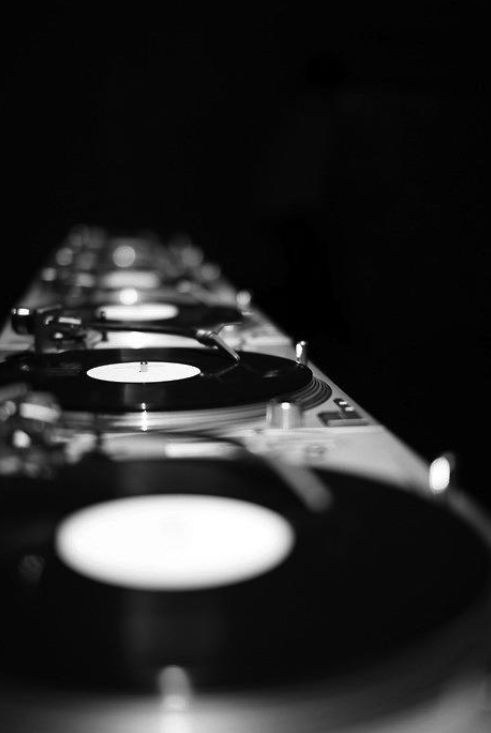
pixel 200 531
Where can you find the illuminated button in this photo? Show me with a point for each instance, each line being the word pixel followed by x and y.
pixel 143 372
pixel 140 312
pixel 174 542
pixel 143 279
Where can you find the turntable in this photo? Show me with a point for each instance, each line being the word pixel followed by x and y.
pixel 184 582
pixel 309 420
pixel 164 388
pixel 126 322
pixel 290 567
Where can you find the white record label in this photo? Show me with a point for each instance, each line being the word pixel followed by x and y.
pixel 140 340
pixel 144 279
pixel 143 372
pixel 174 542
pixel 139 312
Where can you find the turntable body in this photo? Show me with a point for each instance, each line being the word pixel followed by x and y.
pixel 372 617
pixel 335 432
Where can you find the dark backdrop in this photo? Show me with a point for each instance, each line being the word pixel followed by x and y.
pixel 332 160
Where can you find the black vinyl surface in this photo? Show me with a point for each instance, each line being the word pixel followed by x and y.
pixel 369 578
pixel 222 382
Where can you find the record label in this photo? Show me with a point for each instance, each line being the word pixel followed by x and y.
pixel 174 542
pixel 144 279
pixel 143 372
pixel 139 312
pixel 142 340
pixel 130 308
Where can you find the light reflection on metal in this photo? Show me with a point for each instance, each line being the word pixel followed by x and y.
pixel 301 352
pixel 440 473
pixel 283 415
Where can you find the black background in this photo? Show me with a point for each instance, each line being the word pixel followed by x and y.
pixel 332 160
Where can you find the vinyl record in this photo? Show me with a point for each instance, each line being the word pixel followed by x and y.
pixel 372 577
pixel 191 379
pixel 158 312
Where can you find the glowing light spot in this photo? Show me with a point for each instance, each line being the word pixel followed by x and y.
pixel 440 474
pixel 128 296
pixel 64 257
pixel 124 255
pixel 144 421
pixel 174 542
pixel 21 439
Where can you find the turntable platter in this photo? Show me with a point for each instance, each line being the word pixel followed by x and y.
pixel 376 579
pixel 218 382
